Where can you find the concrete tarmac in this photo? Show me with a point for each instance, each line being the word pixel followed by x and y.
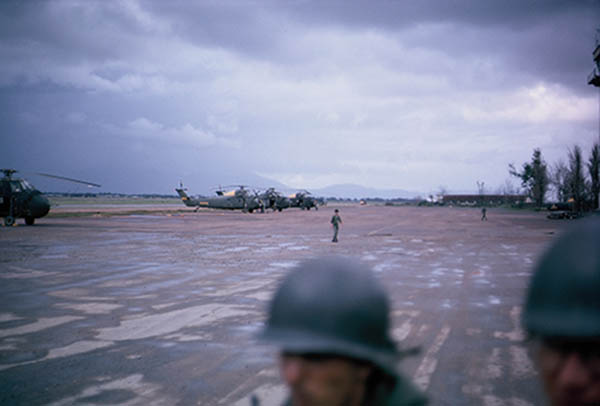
pixel 161 308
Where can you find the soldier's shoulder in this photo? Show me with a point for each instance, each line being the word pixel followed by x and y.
pixel 406 394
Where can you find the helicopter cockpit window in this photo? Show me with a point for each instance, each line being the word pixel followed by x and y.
pixel 26 185
pixel 20 185
pixel 15 186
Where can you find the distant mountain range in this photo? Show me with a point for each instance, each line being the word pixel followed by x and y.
pixel 352 191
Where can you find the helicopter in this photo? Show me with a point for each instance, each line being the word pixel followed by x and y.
pixel 304 200
pixel 274 200
pixel 19 199
pixel 237 199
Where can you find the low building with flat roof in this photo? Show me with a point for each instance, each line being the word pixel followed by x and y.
pixel 483 200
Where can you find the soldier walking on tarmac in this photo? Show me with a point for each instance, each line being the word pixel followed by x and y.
pixel 330 319
pixel 562 317
pixel 336 220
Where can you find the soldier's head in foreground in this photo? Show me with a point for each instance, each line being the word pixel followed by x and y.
pixel 330 321
pixel 562 316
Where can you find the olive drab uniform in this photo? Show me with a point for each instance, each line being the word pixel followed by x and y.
pixel 336 220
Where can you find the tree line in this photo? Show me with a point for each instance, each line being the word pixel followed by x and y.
pixel 575 181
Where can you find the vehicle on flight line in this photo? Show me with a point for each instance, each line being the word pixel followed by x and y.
pixel 563 210
pixel 237 199
pixel 18 199
pixel 272 199
pixel 304 200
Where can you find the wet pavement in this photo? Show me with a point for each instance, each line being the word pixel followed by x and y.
pixel 161 309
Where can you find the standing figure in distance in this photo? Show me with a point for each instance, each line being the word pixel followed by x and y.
pixel 336 220
pixel 562 316
pixel 330 320
pixel 483 214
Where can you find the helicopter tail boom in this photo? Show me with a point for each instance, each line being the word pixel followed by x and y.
pixel 188 201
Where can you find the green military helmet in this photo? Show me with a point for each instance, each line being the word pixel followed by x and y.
pixel 332 306
pixel 564 294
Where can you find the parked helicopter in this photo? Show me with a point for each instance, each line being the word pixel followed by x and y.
pixel 18 199
pixel 272 199
pixel 304 200
pixel 237 199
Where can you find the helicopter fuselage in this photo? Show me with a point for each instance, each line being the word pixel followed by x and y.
pixel 18 199
pixel 303 201
pixel 273 200
pixel 235 200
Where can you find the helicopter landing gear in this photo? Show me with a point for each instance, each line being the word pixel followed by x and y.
pixel 9 221
pixel 29 220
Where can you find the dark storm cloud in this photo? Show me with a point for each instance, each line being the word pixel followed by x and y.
pixel 69 30
pixel 547 39
pixel 392 15
pixel 550 40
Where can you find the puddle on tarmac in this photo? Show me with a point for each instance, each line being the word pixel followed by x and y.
pixel 494 300
pixel 236 249
pixel 56 256
pixel 159 324
pixel 284 264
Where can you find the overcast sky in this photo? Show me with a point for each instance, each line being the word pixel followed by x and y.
pixel 414 95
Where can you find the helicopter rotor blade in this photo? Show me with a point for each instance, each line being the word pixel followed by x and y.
pixel 90 184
